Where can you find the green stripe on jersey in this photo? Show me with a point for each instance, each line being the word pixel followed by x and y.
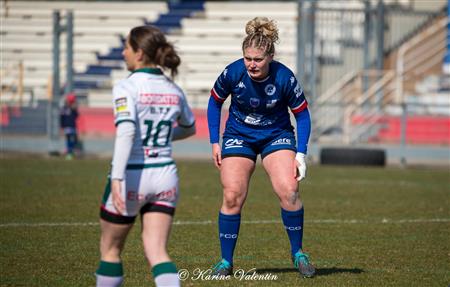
pixel 149 165
pixel 122 121
pixel 107 191
pixel 154 71
pixel 163 268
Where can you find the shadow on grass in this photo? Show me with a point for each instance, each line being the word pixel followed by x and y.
pixel 319 271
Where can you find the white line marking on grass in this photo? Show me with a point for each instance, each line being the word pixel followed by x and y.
pixel 209 222
pixel 48 224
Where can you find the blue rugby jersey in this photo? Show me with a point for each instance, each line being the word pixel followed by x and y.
pixel 261 105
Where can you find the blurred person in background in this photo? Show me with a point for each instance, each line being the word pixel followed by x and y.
pixel 262 93
pixel 68 123
pixel 150 112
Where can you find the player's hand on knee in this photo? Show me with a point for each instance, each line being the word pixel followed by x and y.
pixel 119 203
pixel 301 166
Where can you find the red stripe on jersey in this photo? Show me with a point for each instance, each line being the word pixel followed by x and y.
pixel 216 96
pixel 300 107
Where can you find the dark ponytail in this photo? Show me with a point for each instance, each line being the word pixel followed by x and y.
pixel 155 47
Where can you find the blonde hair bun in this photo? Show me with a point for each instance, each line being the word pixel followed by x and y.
pixel 264 26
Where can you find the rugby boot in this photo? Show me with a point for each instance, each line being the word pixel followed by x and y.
pixel 223 268
pixel 301 262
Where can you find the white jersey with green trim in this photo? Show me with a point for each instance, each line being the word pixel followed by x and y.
pixel 155 104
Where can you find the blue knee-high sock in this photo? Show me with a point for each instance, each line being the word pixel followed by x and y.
pixel 228 234
pixel 293 223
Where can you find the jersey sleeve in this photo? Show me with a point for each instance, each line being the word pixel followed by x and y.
pixel 222 87
pixel 213 114
pixel 124 103
pixel 219 93
pixel 122 149
pixel 296 98
pixel 303 120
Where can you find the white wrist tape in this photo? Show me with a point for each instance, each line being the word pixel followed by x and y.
pixel 301 167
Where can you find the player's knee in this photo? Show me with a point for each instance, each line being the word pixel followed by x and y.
pixel 231 203
pixel 232 199
pixel 291 198
pixel 110 248
pixel 288 193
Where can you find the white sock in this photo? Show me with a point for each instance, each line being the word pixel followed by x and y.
pixel 108 281
pixel 167 280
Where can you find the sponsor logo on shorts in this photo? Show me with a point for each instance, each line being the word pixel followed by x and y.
pixel 133 195
pixel 232 143
pixel 167 195
pixel 282 141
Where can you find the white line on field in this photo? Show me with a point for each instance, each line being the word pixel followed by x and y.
pixel 209 222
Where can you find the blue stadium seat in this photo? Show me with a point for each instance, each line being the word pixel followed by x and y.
pixel 114 54
pixel 96 75
pixel 98 70
pixel 177 11
pixel 188 5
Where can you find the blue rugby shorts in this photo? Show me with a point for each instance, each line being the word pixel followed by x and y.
pixel 250 146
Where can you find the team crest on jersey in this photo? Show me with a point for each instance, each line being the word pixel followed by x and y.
pixel 270 90
pixel 292 79
pixel 254 102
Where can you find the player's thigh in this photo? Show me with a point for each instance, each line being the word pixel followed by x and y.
pixel 113 236
pixel 280 166
pixel 156 228
pixel 235 173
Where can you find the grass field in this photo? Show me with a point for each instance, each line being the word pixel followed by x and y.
pixel 363 226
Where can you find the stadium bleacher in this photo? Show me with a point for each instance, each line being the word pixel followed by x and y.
pixel 208 35
pixel 27 36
